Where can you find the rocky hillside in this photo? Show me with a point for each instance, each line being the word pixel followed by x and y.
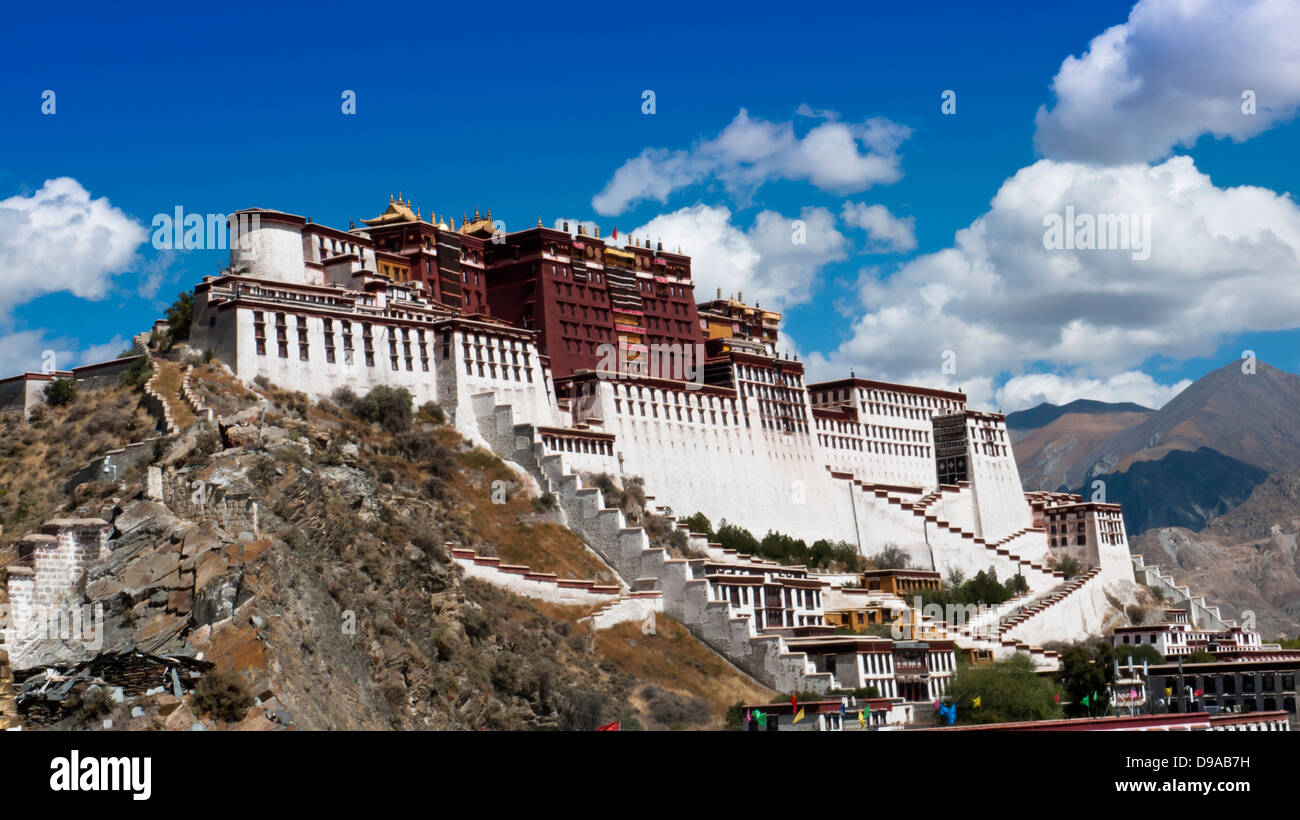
pixel 1246 559
pixel 341 608
pixel 1252 417
pixel 1182 489
pixel 1061 452
pixel 1237 428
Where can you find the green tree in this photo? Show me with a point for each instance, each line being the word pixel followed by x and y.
pixel 60 392
pixel 1141 653
pixel 735 720
pixel 1200 656
pixel 891 557
pixel 180 316
pixel 783 548
pixel 1084 674
pixel 1008 690
pixel 699 523
pixel 732 537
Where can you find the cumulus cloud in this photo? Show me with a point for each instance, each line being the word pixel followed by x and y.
pixel 886 233
pixel 1032 389
pixel 1174 71
pixel 59 239
pixel 999 303
pixel 833 156
pixel 774 262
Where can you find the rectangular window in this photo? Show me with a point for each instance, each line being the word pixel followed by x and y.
pixel 259 331
pixel 281 336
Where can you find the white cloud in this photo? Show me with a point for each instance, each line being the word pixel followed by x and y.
pixel 887 233
pixel 766 262
pixel 59 239
pixel 1033 389
pixel 25 350
pixel 1174 71
pixel 1223 261
pixel 833 156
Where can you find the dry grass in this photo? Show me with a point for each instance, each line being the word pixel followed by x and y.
pixel 168 384
pixel 497 529
pixel 673 659
pixel 38 456
pixel 219 391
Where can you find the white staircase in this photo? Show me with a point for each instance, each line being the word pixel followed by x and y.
pixel 627 549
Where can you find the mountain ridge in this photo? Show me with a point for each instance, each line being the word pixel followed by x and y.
pixel 1044 414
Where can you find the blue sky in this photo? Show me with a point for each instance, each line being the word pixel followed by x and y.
pixel 539 113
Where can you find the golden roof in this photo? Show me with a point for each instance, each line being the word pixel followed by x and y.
pixel 479 224
pixel 398 211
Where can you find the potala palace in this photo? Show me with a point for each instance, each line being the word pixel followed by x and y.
pixel 569 356
pixel 574 354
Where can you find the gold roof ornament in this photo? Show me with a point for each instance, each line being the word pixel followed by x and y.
pixel 396 212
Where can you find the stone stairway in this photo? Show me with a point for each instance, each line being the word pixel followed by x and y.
pixel 1030 617
pixel 1037 574
pixel 157 403
pixel 986 632
pixel 627 549
pixel 1202 614
pixel 201 411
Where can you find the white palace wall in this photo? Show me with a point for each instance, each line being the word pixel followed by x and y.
pixel 861 469
pixel 716 464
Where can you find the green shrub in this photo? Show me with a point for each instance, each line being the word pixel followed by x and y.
pixel 432 412
pixel 546 502
pixel 891 557
pixel 1008 690
pixel 60 392
pixel 140 370
pixel 390 407
pixel 1066 565
pixel 221 694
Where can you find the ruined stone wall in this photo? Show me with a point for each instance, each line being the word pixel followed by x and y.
pixel 199 501
pixel 51 569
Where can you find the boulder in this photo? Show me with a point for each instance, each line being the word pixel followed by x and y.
pixel 208 567
pixel 243 435
pixel 158 570
pixel 144 516
pixel 203 538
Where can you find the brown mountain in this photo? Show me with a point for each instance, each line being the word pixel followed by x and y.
pixel 1251 417
pixel 1246 559
pixel 1061 452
